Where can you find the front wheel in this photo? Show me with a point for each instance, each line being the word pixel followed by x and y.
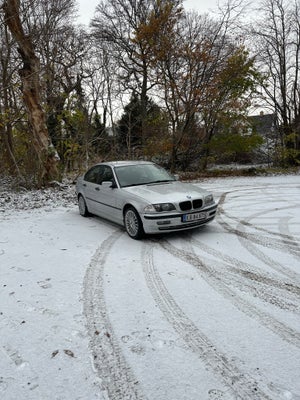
pixel 133 223
pixel 83 210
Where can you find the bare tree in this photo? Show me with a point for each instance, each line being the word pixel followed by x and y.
pixel 7 109
pixel 119 23
pixel 104 94
pixel 277 38
pixel 202 73
pixel 31 89
pixel 62 49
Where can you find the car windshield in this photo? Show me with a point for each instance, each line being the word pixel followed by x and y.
pixel 142 174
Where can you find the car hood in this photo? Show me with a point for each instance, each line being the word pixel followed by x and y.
pixel 166 192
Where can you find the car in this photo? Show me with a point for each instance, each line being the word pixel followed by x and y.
pixel 143 197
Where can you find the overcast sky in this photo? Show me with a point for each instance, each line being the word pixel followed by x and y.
pixel 87 8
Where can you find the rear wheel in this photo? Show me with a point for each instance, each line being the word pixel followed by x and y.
pixel 83 210
pixel 133 223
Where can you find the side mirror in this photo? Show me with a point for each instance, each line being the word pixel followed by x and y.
pixel 108 184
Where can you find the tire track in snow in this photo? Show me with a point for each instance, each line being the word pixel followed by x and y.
pixel 115 374
pixel 247 242
pixel 241 272
pixel 286 243
pixel 243 386
pixel 284 232
pixel 213 278
pixel 290 239
pixel 247 239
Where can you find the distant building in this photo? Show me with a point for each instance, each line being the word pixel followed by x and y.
pixel 265 126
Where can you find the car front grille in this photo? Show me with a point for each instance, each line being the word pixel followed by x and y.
pixel 197 203
pixel 185 205
pixel 188 205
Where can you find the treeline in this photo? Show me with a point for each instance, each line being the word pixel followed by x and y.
pixel 146 80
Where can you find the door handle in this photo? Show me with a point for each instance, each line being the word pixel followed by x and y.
pixel 97 188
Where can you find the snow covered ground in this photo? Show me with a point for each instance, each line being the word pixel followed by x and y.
pixel 210 314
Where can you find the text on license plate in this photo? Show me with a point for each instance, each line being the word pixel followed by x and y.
pixel 193 217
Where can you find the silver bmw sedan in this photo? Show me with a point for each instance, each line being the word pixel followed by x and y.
pixel 143 197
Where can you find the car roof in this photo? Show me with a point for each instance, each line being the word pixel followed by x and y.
pixel 124 163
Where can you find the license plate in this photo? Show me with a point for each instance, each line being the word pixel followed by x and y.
pixel 193 217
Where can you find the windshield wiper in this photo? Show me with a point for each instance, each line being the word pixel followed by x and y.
pixel 161 181
pixel 150 183
pixel 134 184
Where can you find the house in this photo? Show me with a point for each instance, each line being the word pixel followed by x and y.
pixel 265 125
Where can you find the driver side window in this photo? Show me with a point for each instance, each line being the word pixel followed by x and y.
pixel 107 174
pixel 98 174
pixel 93 174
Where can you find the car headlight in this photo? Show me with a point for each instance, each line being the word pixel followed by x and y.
pixel 208 199
pixel 161 207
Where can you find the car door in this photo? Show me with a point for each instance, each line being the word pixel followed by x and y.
pixel 92 188
pixel 108 195
pixel 101 199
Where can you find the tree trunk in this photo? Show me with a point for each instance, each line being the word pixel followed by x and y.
pixel 30 77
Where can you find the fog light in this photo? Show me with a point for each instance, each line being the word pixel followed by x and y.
pixel 163 222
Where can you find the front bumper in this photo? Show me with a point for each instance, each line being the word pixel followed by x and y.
pixel 172 222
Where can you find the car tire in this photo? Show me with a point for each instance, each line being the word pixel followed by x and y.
pixel 83 210
pixel 133 223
